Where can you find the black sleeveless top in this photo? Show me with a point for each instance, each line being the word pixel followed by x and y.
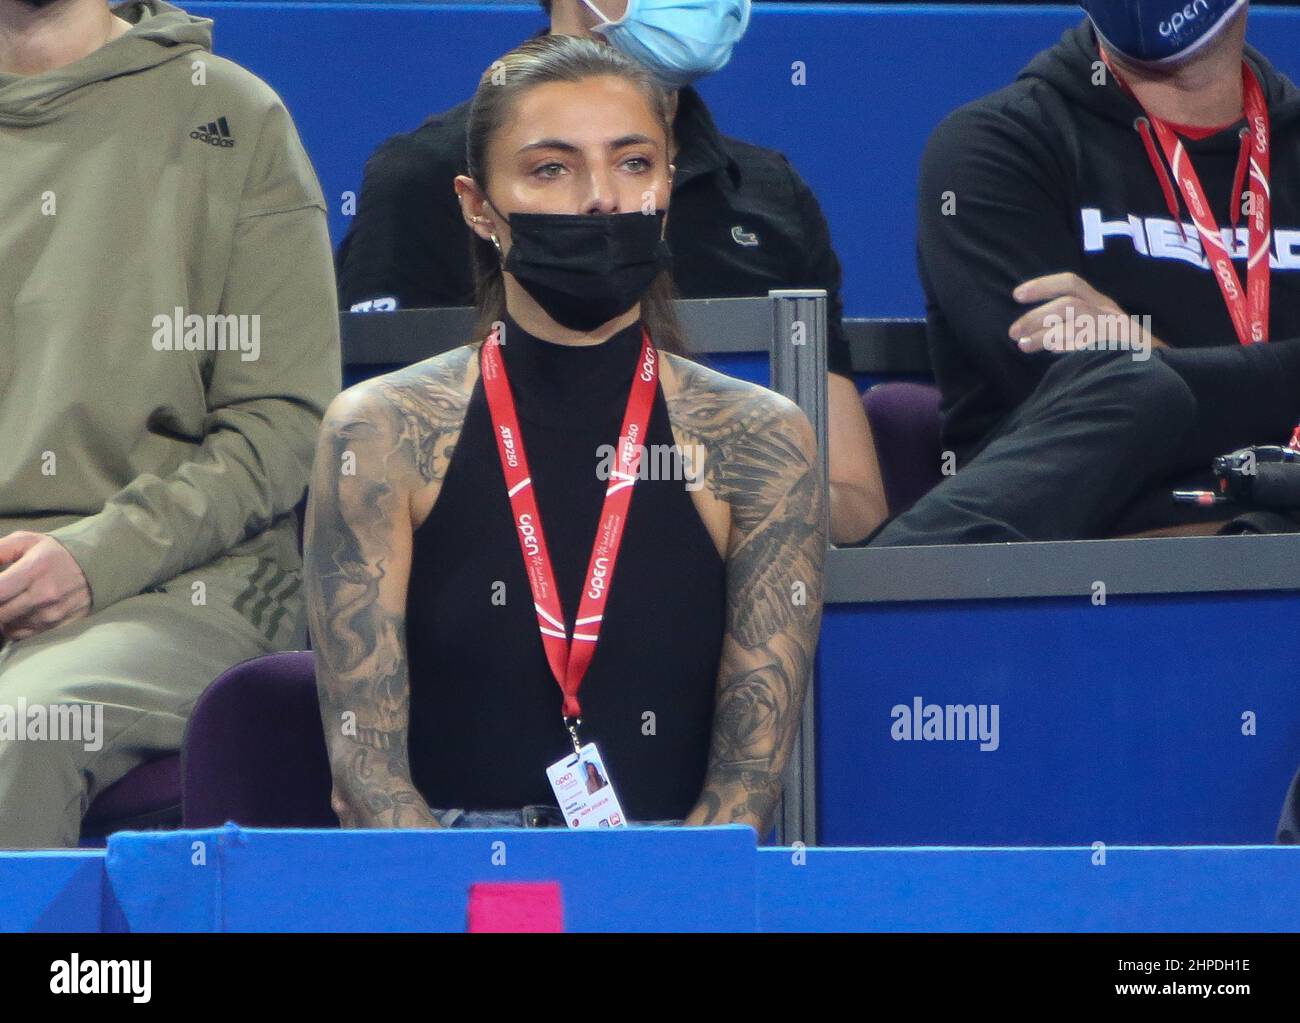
pixel 485 718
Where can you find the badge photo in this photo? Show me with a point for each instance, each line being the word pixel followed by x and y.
pixel 584 792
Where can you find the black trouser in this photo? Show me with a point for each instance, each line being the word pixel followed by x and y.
pixel 1095 449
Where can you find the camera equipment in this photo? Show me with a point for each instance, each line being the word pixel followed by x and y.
pixel 1261 477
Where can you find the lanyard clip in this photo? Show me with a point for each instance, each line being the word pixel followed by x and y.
pixel 572 725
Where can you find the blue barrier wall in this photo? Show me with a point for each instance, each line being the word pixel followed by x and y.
pixel 676 879
pixel 1120 723
pixel 642 879
pixel 1041 890
pixel 55 891
pixel 879 79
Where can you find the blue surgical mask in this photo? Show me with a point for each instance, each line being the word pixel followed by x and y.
pixel 678 40
pixel 1158 31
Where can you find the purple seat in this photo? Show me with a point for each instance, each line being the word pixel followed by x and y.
pixel 905 422
pixel 254 750
pixel 145 798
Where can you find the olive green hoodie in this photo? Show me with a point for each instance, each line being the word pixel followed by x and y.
pixel 168 335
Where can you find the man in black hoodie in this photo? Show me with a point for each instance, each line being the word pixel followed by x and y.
pixel 1089 355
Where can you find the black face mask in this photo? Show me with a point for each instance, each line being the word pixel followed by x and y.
pixel 586 269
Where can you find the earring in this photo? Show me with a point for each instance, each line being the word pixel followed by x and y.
pixel 497 243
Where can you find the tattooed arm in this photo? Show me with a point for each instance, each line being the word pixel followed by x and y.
pixel 383 446
pixel 761 458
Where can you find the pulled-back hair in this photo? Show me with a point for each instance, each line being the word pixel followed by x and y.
pixel 555 58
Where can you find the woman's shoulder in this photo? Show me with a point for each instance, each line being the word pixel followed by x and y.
pixel 714 405
pixel 455 369
pixel 756 453
pixel 413 410
pixel 437 379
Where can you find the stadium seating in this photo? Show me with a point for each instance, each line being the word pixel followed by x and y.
pixel 905 425
pixel 254 749
pixel 147 797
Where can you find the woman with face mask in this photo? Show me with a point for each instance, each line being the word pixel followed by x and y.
pixel 745 221
pixel 564 536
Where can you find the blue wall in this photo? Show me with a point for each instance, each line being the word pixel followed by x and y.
pixel 656 879
pixel 879 78
pixel 1120 723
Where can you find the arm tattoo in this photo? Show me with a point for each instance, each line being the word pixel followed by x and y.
pixel 761 460
pixel 431 405
pixel 398 435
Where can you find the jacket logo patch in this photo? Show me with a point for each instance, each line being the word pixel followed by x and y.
pixel 1161 238
pixel 742 237
pixel 215 133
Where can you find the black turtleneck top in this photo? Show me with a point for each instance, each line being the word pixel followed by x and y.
pixel 485 717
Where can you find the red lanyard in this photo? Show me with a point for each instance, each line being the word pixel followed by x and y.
pixel 569 661
pixel 1249 310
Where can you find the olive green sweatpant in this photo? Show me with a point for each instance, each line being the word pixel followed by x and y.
pixel 133 671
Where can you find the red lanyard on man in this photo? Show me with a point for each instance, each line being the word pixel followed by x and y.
pixel 1249 309
pixel 569 661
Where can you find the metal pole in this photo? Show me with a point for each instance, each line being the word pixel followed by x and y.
pixel 799 372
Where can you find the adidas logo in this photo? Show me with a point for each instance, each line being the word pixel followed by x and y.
pixel 214 133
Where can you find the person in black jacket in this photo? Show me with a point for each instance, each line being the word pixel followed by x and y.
pixel 743 222
pixel 1087 356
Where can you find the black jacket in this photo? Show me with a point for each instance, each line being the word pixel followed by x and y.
pixel 1028 168
pixel 742 222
